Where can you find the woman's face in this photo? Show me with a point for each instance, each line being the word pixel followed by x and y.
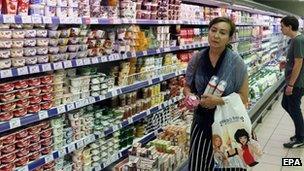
pixel 243 140
pixel 217 142
pixel 218 35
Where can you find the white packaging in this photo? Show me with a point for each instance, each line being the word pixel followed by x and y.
pixel 220 88
pixel 211 85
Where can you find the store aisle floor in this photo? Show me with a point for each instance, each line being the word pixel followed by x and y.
pixel 276 128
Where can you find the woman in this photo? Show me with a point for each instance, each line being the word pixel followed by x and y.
pixel 219 155
pixel 250 150
pixel 221 61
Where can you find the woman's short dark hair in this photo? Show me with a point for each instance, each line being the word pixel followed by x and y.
pixel 240 133
pixel 226 20
pixel 291 21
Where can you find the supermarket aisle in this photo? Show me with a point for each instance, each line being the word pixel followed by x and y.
pixel 276 129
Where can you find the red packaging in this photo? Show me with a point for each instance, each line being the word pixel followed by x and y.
pixel 48 79
pixel 46 105
pixel 35 99
pixel 8 167
pixel 35 138
pixel 34 156
pixel 35 147
pixel 20 84
pixel 23 7
pixel 10 6
pixel 20 112
pixel 46 150
pixel 33 108
pixel 23 143
pixel 47 97
pixel 6 116
pixel 46 133
pixel 49 165
pixel 22 94
pixel 34 82
pixel 22 161
pixel 7 97
pixel 8 158
pixel 8 106
pixel 8 148
pixel 8 139
pixel 45 125
pixel 22 152
pixel 46 142
pixel 21 134
pixel 34 130
pixel 6 87
pixel 24 103
pixel 35 92
pixel 47 89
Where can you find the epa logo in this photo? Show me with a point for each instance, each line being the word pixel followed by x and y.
pixel 291 162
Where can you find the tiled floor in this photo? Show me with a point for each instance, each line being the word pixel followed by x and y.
pixel 276 129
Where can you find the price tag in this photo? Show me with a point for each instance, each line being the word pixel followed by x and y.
pixel 80 144
pixel 124 21
pixel 115 128
pixel 36 19
pixel 57 65
pixel 9 18
pixel 71 148
pixel 133 21
pixel 61 109
pixel 14 123
pixel 67 64
pixel 161 78
pixel 124 56
pixel 148 112
pixel 26 19
pixel 6 73
pixel 47 20
pixel 130 120
pixel 79 62
pixel 94 60
pixel 145 53
pixel 34 69
pixel 43 114
pixel 150 82
pixel 117 56
pixel 104 59
pixel 114 93
pixel 25 168
pixel 77 20
pixel 92 138
pixel 70 106
pixel 22 71
pixel 87 140
pixel 62 152
pixel 64 20
pixel 86 102
pixel 48 158
pixel 167 21
pixel 79 103
pixel 133 54
pixel 98 167
pixel 111 57
pixel 157 51
pixel 94 20
pixel 102 97
pixel 92 100
pixel 87 61
pixel 46 67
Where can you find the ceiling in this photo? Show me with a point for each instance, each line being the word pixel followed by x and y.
pixel 293 6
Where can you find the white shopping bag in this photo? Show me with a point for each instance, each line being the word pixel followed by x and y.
pixel 233 145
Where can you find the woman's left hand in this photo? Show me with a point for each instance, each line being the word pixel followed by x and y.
pixel 210 101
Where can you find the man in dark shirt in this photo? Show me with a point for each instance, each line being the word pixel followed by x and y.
pixel 294 76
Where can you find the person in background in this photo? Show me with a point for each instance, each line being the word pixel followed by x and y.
pixel 294 77
pixel 217 59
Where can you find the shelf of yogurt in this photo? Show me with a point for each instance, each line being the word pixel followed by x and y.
pixel 74 130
